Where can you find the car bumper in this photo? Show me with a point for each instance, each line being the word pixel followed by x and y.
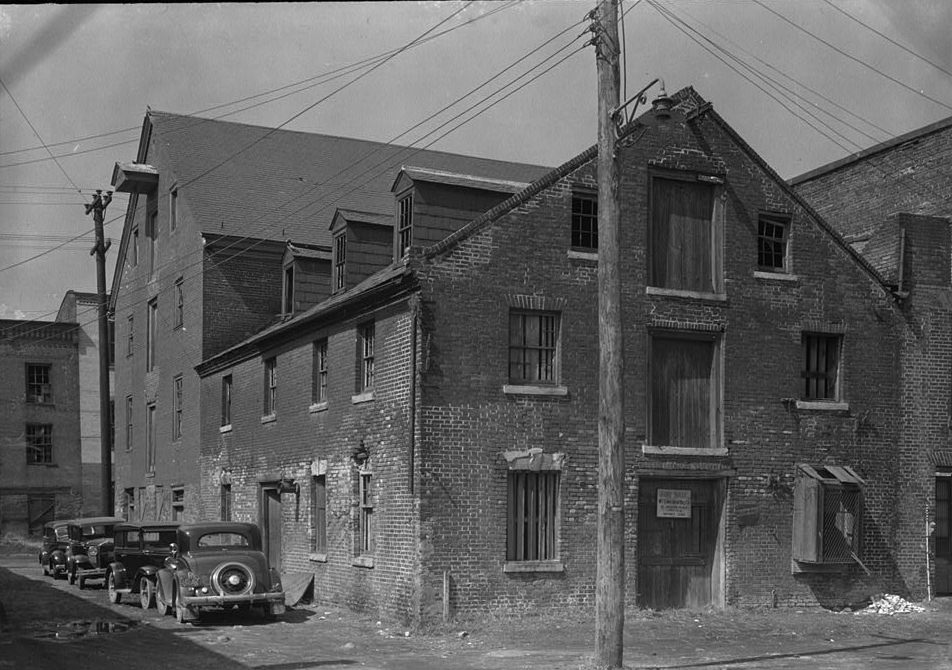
pixel 91 573
pixel 275 600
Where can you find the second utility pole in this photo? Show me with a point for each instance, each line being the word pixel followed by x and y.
pixel 610 560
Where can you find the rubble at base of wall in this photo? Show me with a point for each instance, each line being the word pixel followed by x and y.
pixel 889 604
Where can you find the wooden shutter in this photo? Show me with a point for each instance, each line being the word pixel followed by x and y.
pixel 681 392
pixel 807 503
pixel 682 240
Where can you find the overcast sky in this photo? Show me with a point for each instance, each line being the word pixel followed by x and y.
pixel 75 75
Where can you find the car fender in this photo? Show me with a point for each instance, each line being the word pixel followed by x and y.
pixel 118 571
pixel 148 571
pixel 58 557
pixel 165 582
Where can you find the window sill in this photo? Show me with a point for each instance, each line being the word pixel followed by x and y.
pixel 40 404
pixel 679 293
pixel 366 396
pixel 683 451
pixel 269 418
pixel 779 276
pixel 533 566
pixel 317 558
pixel 225 429
pixel 533 389
pixel 150 474
pixel 363 562
pixel 801 567
pixel 45 465
pixel 318 407
pixel 583 255
pixel 823 405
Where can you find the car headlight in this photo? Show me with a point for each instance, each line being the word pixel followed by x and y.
pixel 93 551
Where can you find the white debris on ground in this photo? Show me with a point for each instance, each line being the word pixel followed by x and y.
pixel 889 604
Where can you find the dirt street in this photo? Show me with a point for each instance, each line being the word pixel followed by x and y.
pixel 47 624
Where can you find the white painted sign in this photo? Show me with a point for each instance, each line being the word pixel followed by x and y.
pixel 674 503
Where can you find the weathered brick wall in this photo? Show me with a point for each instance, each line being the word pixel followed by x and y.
pixel 468 420
pixel 304 439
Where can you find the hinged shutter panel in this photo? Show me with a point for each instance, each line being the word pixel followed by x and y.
pixel 806 533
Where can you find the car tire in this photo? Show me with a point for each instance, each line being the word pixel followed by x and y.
pixel 161 604
pixel 180 610
pixel 71 576
pixel 46 570
pixel 146 593
pixel 81 581
pixel 114 596
pixel 56 573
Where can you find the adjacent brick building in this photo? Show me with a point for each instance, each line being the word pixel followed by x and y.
pixel 423 437
pixel 41 465
pixel 892 202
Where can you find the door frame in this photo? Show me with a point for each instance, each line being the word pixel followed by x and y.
pixel 264 520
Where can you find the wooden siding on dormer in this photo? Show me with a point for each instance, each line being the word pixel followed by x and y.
pixel 369 249
pixel 441 209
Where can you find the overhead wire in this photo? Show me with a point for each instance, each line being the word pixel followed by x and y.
pixel 201 261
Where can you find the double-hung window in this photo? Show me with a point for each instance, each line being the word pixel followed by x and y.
pixel 177 408
pixel 270 386
pixel 226 401
pixel 772 233
pixel 179 302
pixel 584 222
pixel 319 514
pixel 684 393
pixel 38 387
pixel 287 303
pixel 533 347
pixel 319 373
pixel 151 437
pixel 340 261
pixel 404 225
pixel 366 342
pixel 39 443
pixel 684 235
pixel 128 422
pixel 365 520
pixel 130 335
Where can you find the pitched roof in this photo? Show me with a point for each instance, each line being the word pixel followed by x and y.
pixel 245 180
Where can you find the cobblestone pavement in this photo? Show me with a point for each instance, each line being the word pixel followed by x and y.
pixel 49 624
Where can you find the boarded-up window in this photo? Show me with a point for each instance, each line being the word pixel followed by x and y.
pixel 827 514
pixel 943 516
pixel 533 347
pixel 685 398
pixel 683 240
pixel 533 515
pixel 821 364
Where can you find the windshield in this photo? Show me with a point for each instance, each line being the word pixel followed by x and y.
pixel 158 539
pixel 210 540
pixel 96 531
pixel 62 533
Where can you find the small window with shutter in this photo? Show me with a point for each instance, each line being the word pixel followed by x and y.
pixel 827 516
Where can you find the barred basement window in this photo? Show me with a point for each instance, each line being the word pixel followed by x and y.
pixel 533 510
pixel 827 515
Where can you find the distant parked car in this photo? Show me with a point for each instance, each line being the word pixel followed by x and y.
pixel 140 551
pixel 55 544
pixel 218 564
pixel 90 548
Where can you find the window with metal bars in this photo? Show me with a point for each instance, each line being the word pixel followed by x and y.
pixel 365 521
pixel 772 243
pixel 827 514
pixel 821 363
pixel 584 222
pixel 533 347
pixel 405 226
pixel 39 443
pixel 533 514
pixel 38 387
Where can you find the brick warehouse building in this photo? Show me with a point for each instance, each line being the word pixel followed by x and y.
pixel 892 203
pixel 41 470
pixel 200 266
pixel 432 429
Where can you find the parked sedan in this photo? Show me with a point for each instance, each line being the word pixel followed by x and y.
pixel 55 543
pixel 140 551
pixel 90 548
pixel 218 564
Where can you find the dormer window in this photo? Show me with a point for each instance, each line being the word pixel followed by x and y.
pixel 404 225
pixel 287 301
pixel 340 258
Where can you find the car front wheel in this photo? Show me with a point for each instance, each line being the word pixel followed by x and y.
pixel 161 604
pixel 71 576
pixel 146 593
pixel 114 596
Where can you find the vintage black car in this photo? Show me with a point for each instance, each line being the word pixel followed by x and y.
pixel 55 544
pixel 140 551
pixel 218 564
pixel 90 548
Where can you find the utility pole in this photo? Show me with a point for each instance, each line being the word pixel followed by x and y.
pixel 610 560
pixel 98 208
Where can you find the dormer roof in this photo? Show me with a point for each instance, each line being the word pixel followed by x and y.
pixel 409 174
pixel 344 216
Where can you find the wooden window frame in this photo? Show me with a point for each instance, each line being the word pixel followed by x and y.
pixel 533 515
pixel 39 392
pixel 715 387
pixel 130 336
pixel 152 317
pixel 151 424
pixel 712 285
pixel 134 243
pixel 547 348
pixel 319 372
pixel 821 380
pixel 404 225
pixel 340 261
pixel 319 514
pixel 177 399
pixel 178 503
pixel 227 388
pixel 828 509
pixel 287 293
pixel 173 209
pixel 773 246
pixel 584 230
pixel 365 518
pixel 179 289
pixel 366 356
pixel 39 444
pixel 129 422
pixel 270 386
pixel 225 502
pixel 152 233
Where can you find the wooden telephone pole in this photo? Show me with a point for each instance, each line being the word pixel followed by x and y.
pixel 610 561
pixel 98 209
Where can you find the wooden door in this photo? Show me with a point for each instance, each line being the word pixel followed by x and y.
pixel 270 523
pixel 678 526
pixel 943 532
